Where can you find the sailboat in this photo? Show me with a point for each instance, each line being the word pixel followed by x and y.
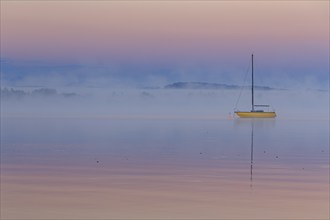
pixel 254 113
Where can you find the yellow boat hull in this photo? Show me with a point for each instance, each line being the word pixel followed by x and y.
pixel 256 114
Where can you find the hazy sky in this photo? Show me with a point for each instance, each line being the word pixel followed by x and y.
pixel 145 43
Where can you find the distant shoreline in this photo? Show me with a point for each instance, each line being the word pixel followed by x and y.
pixel 205 85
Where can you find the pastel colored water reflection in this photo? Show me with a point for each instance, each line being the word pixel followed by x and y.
pixel 88 168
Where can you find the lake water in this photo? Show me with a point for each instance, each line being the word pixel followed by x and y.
pixel 165 168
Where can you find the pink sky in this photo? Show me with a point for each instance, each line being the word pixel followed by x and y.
pixel 161 30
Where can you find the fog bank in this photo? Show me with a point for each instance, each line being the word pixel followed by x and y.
pixel 159 103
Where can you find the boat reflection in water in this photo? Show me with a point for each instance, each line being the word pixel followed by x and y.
pixel 251 165
pixel 262 123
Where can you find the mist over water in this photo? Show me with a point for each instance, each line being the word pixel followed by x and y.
pixel 161 103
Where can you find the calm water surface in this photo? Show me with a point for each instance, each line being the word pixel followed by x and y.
pixel 103 168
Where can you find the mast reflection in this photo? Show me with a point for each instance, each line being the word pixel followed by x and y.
pixel 252 125
pixel 251 162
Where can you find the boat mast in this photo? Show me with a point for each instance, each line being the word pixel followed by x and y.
pixel 252 87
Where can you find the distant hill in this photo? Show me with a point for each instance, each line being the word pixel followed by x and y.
pixel 205 85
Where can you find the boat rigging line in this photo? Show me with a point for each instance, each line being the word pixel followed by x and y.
pixel 242 87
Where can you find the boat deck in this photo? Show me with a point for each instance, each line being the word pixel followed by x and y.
pixel 256 114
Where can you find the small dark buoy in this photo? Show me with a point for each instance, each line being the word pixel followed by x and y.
pixel 97 161
pixel 276 156
pixel 200 153
pixel 264 151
